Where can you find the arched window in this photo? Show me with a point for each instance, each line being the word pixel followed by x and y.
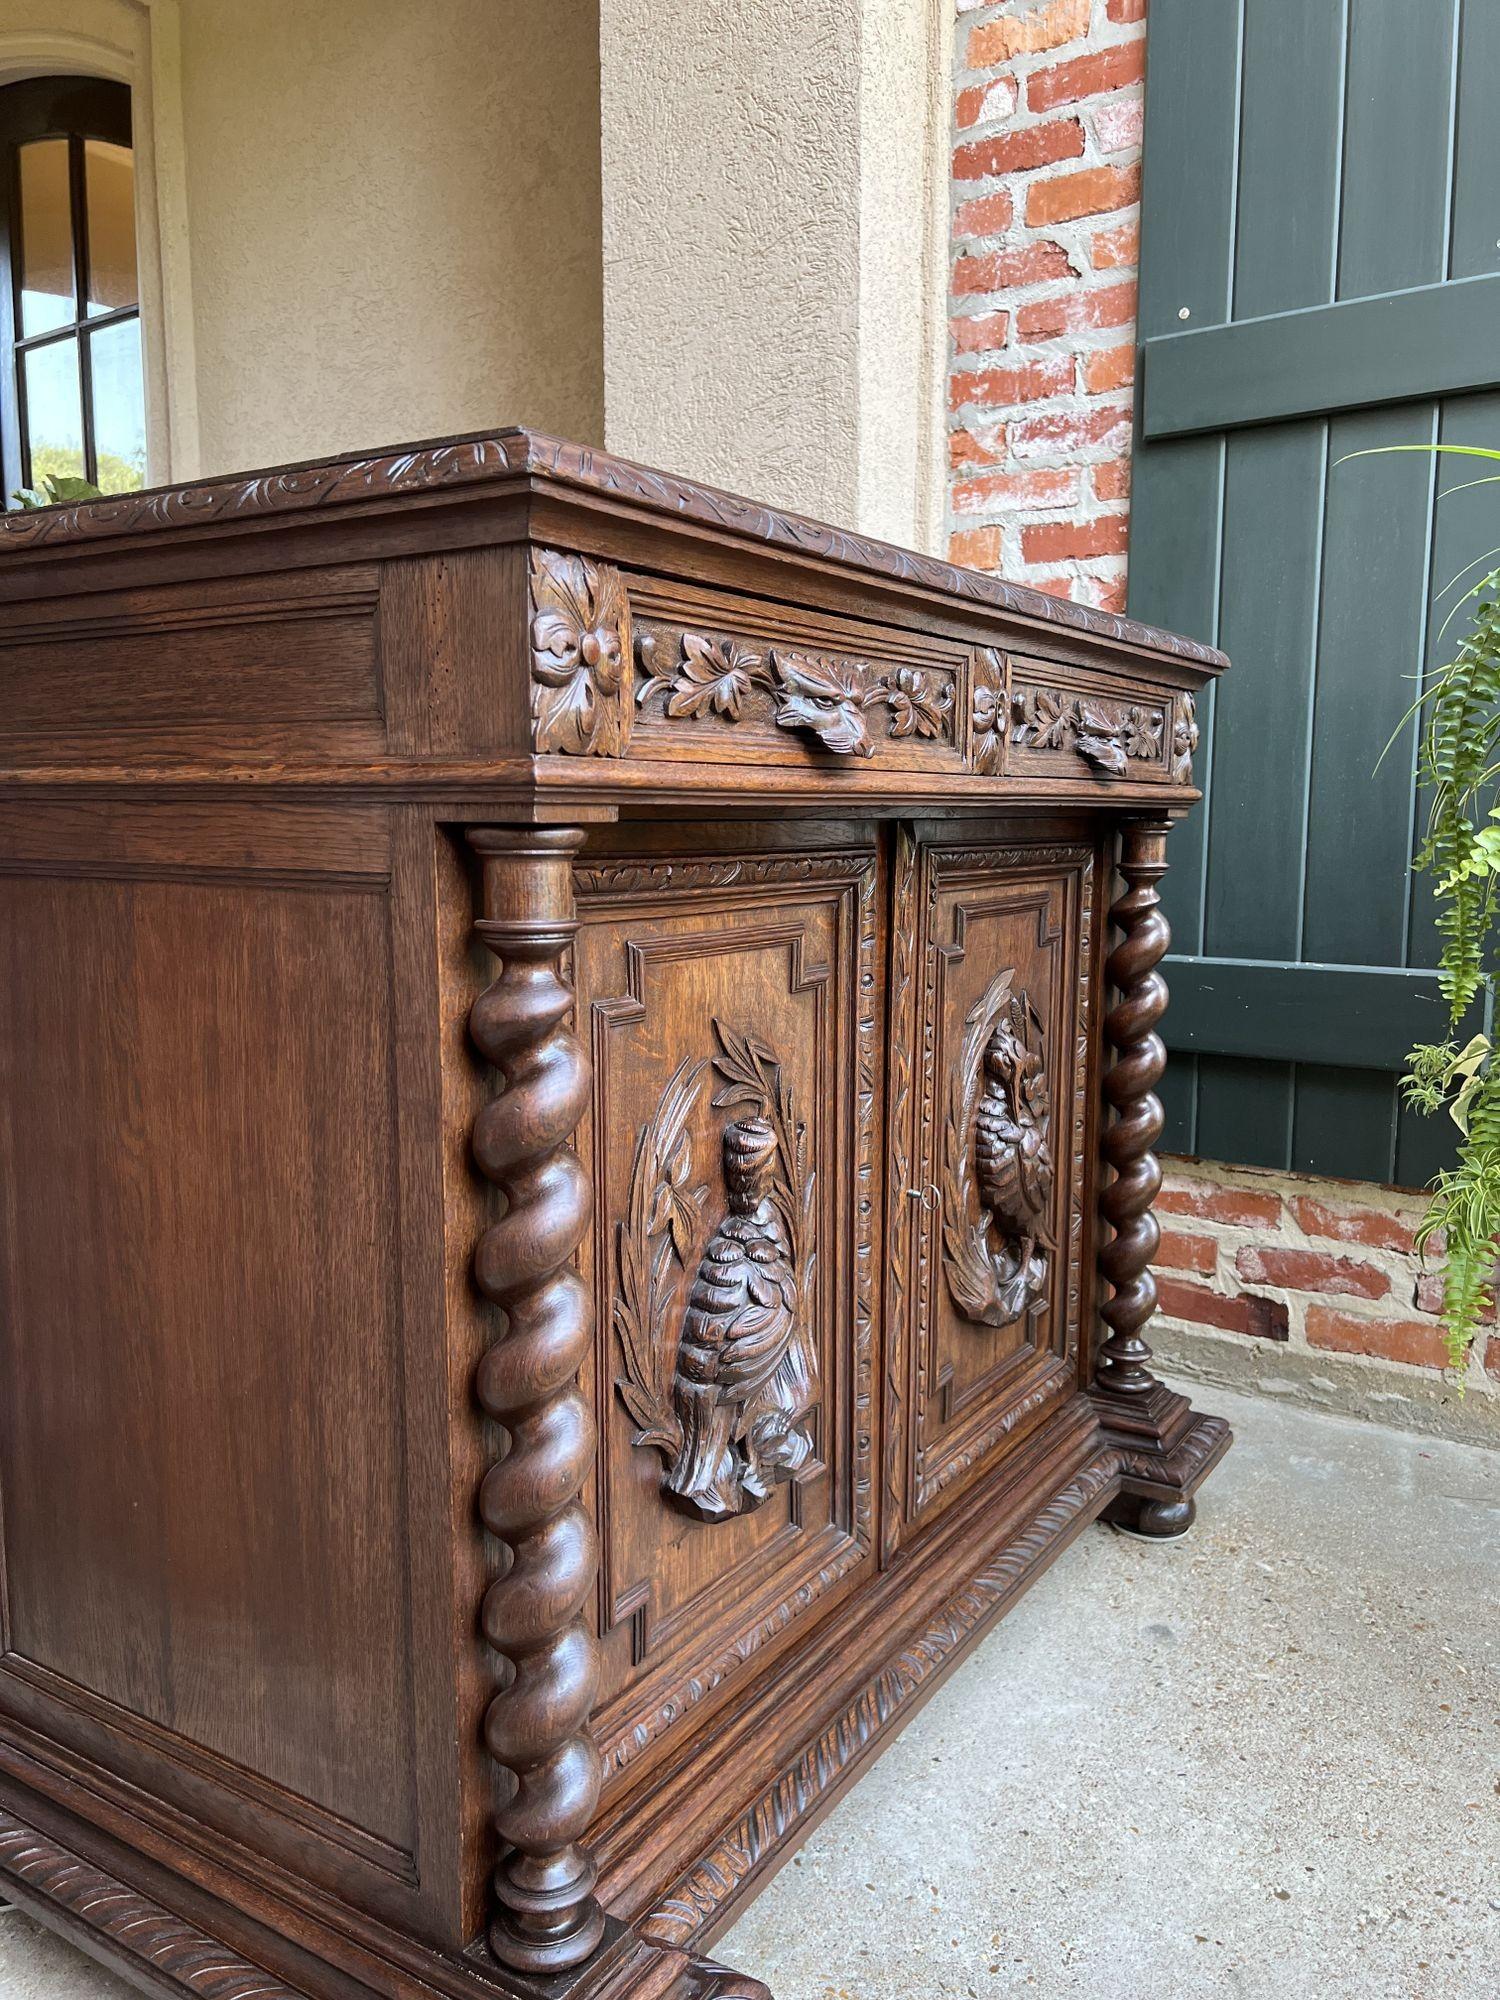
pixel 72 402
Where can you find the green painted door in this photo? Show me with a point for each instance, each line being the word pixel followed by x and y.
pixel 1320 275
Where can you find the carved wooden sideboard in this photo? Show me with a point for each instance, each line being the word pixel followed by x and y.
pixel 576 1128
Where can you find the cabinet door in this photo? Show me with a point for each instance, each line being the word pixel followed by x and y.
pixel 991 985
pixel 731 1001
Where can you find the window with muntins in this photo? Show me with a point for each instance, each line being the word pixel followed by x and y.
pixel 72 402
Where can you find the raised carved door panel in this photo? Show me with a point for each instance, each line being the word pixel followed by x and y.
pixel 991 975
pixel 730 1002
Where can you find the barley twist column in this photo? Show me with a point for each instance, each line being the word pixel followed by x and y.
pixel 1129 1088
pixel 535 1614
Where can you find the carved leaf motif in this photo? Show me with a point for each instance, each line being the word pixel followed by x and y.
pixel 988 714
pixel 826 697
pixel 1047 719
pixel 919 703
pixel 578 665
pixel 715 675
pixel 1107 735
pixel 965 1256
pixel 1143 734
pixel 662 1219
pixel 1184 739
pixel 650 681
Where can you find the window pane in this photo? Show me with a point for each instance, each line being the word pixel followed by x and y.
pixel 109 179
pixel 119 406
pixel 54 411
pixel 46 236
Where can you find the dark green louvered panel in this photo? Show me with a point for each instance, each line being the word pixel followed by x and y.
pixel 1320 276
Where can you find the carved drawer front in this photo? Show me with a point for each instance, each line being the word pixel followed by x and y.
pixel 1065 722
pixel 727 678
pixel 730 1004
pixel 988 1093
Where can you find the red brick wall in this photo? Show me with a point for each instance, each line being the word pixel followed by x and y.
pixel 1307 1272
pixel 1046 176
pixel 1285 1277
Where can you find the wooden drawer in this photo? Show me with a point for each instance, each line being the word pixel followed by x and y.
pixel 727 679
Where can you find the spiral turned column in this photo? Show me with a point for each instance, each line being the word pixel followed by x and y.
pixel 535 1613
pixel 1129 1089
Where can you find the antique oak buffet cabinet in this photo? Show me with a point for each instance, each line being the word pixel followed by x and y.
pixel 575 1181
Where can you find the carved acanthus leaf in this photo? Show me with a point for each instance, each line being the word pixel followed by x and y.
pixel 715 675
pixel 657 1242
pixel 580 657
pixel 1184 739
pixel 987 725
pixel 919 703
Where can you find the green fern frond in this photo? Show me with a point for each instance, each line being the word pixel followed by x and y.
pixel 1460 744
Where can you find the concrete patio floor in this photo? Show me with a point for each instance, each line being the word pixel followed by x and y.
pixel 1264 1761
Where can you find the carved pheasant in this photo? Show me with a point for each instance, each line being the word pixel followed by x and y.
pixel 743 1377
pixel 1011 1152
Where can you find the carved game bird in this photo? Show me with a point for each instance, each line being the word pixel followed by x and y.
pixel 1011 1152
pixel 743 1378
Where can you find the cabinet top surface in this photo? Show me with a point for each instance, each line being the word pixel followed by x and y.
pixel 464 469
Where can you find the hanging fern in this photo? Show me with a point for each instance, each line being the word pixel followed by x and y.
pixel 1460 762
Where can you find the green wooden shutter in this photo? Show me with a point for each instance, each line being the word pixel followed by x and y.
pixel 1320 275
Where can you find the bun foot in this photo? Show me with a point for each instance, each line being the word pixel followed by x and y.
pixel 1151 1520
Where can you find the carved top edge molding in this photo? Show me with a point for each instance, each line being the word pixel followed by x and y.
pixel 512 454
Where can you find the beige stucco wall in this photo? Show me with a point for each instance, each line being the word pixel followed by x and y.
pixel 394 220
pixel 768 222
pixel 708 232
pixel 906 51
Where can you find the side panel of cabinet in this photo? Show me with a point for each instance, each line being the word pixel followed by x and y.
pixel 991 1016
pixel 732 1005
pixel 229 1601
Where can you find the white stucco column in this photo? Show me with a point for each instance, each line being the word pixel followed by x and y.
pixel 774 236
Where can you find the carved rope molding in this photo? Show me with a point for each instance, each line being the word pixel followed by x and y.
pixel 536 1613
pixel 517 453
pixel 162 1944
pixel 1129 1091
pixel 729 1425
pixel 701 1892
pixel 827 695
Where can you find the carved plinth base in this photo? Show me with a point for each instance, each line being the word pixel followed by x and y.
pixel 1167 1449
pixel 165 1954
